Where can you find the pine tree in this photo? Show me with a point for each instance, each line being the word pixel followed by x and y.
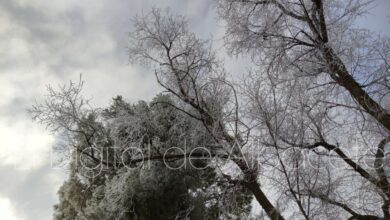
pixel 120 189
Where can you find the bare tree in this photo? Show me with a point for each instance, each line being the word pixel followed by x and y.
pixel 314 38
pixel 187 68
pixel 320 87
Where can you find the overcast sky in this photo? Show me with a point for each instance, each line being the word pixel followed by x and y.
pixel 53 41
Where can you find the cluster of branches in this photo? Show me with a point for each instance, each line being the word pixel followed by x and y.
pixel 315 77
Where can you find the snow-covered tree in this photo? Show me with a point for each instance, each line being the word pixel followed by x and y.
pixel 128 162
pixel 313 110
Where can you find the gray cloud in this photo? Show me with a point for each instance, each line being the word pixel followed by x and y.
pixel 50 43
pixel 32 192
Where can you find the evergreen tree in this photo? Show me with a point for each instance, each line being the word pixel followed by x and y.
pixel 121 189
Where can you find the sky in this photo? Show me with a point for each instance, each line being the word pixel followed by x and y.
pixel 46 42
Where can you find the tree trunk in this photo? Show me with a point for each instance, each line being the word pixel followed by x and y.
pixel 340 74
pixel 250 182
pixel 271 211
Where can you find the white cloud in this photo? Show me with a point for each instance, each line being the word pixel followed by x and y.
pixel 24 145
pixel 7 211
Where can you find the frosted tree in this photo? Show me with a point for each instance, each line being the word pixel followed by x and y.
pixel 314 38
pixel 314 102
pixel 187 68
pixel 319 85
pixel 121 166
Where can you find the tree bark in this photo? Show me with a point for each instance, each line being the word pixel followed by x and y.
pixel 271 211
pixel 250 182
